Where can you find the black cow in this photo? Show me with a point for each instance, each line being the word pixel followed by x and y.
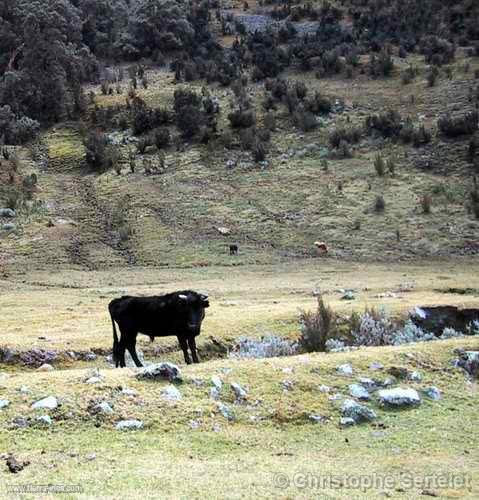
pixel 234 249
pixel 178 313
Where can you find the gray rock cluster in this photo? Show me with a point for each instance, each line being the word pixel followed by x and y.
pixel 160 371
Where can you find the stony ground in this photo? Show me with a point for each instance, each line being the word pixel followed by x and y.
pixel 280 437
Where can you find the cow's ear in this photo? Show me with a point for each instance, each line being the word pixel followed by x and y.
pixel 205 303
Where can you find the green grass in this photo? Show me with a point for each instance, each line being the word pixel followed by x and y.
pixel 170 459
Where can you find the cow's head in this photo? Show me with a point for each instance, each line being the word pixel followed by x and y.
pixel 194 305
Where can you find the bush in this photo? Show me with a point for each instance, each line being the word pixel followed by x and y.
pixel 317 327
pixel 242 119
pixel 426 202
pixel 379 204
pixel 162 138
pixel 408 75
pixel 189 117
pixel 99 154
pixel 381 65
pixel 318 104
pixel 259 152
pixel 375 328
pixel 388 124
pixel 17 129
pixel 305 120
pixel 270 121
pixel 460 125
pixel 350 135
pixel 379 165
pixel 267 347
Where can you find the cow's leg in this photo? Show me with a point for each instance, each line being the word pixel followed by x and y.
pixel 131 346
pixel 192 346
pixel 121 353
pixel 184 347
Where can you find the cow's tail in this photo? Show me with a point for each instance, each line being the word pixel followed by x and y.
pixel 116 343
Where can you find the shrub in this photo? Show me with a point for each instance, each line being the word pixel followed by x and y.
pixel 426 202
pixel 242 119
pixel 388 124
pixel 381 65
pixel 247 137
pixel 460 125
pixel 375 328
pixel 267 347
pixel 317 327
pixel 99 154
pixel 350 135
pixel 432 76
pixel 142 144
pixel 379 204
pixel 259 152
pixel 17 129
pixel 318 104
pixel 270 121
pixel 379 165
pixel 162 138
pixel 408 75
pixel 305 120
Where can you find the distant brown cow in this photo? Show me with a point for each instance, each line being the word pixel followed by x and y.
pixel 321 246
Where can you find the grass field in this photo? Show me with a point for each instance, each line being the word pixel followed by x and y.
pixel 271 437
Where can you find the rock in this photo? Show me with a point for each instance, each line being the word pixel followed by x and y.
pixel 4 403
pixel 214 393
pixel 345 369
pixel 324 388
pixel 433 393
pixel 93 380
pixel 336 397
pixel 317 419
pixel 226 411
pixel 160 371
pixel 415 376
pixel 288 385
pixel 91 456
pixel 359 392
pixel 376 365
pixel 44 420
pixel 368 383
pixel 8 227
pixel 359 413
pixel 436 318
pixel 128 392
pixel 223 230
pixel 468 361
pixel 89 356
pixel 45 368
pixel 103 408
pixel 399 397
pixel 217 382
pixel 49 403
pixel 239 392
pixel 128 425
pixel 24 389
pixel 15 465
pixel 346 421
pixel 348 295
pixel 171 393
pixel 8 213
pixel 194 424
pixel 20 422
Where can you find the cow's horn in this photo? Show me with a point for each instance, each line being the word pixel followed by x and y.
pixel 183 297
pixel 204 296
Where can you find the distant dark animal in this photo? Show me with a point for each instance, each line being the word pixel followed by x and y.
pixel 233 249
pixel 178 313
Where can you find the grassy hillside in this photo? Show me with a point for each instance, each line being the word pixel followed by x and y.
pixel 274 213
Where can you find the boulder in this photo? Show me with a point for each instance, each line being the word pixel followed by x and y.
pixel 171 393
pixel 436 318
pixel 359 392
pixel 45 368
pixel 44 420
pixel 376 365
pixel 217 382
pixel 8 213
pixel 160 371
pixel 4 403
pixel 238 391
pixel 432 393
pixel 359 413
pixel 103 408
pixel 226 411
pixel 49 403
pixel 345 369
pixel 399 397
pixel 346 421
pixel 8 227
pixel 129 425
